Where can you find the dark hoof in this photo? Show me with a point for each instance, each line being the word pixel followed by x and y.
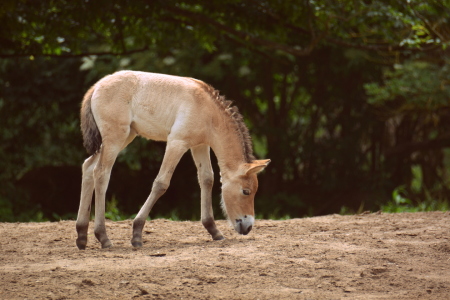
pixel 136 244
pixel 218 238
pixel 81 244
pixel 106 244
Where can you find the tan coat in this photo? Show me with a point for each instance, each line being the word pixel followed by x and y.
pixel 187 114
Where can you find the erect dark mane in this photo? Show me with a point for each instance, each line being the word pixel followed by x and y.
pixel 233 112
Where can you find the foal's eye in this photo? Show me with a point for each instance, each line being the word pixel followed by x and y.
pixel 246 192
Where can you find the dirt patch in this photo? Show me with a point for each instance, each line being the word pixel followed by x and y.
pixel 372 256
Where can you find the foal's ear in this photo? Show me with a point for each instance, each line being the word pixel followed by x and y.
pixel 255 166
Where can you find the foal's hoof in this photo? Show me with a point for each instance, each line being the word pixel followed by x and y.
pixel 81 244
pixel 106 244
pixel 136 244
pixel 218 238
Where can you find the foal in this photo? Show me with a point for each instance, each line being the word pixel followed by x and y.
pixel 187 114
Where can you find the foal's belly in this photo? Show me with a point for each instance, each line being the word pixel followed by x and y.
pixel 150 129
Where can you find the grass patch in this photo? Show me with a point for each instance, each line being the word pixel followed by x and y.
pixel 401 203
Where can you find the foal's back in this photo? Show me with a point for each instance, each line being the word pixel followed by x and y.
pixel 153 105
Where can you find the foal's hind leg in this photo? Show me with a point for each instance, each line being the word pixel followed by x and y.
pixel 87 188
pixel 201 155
pixel 102 173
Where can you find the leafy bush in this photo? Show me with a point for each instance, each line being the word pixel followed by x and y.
pixel 401 203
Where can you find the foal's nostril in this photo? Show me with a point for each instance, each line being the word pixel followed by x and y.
pixel 243 226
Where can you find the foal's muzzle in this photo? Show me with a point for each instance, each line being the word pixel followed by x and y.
pixel 244 225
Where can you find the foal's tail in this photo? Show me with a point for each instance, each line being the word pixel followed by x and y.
pixel 92 139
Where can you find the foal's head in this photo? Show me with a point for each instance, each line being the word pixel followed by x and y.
pixel 238 194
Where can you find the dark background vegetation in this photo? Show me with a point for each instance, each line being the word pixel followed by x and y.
pixel 349 99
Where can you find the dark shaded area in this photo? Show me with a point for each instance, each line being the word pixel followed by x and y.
pixel 53 189
pixel 56 190
pixel 349 105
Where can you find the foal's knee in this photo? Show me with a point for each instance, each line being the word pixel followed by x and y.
pixel 89 164
pixel 88 169
pixel 100 174
pixel 208 182
pixel 206 179
pixel 159 188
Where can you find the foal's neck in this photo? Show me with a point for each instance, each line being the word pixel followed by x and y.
pixel 228 148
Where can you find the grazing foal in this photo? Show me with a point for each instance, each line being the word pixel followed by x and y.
pixel 187 114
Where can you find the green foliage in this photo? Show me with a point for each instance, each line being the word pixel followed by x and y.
pixel 112 211
pixel 174 215
pixel 416 84
pixel 345 210
pixel 348 98
pixel 401 203
pixel 38 115
pixel 415 196
pixel 289 28
pixel 272 216
pixel 114 214
pixel 9 212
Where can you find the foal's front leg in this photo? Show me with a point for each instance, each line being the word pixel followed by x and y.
pixel 174 152
pixel 201 155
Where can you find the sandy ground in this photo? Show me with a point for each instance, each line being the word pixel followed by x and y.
pixel 369 256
